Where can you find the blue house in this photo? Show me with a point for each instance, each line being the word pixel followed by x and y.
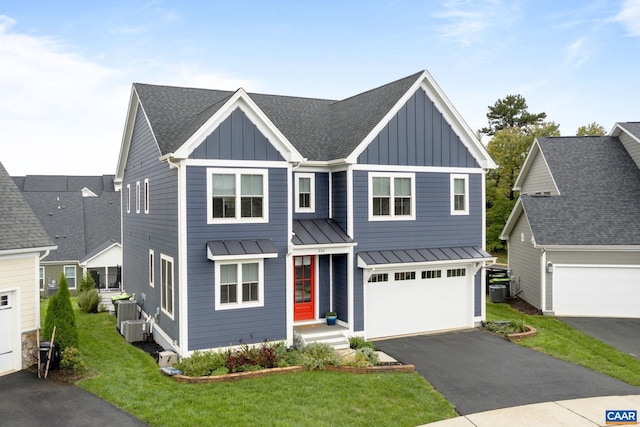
pixel 246 217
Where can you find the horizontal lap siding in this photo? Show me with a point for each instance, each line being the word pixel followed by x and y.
pixel 539 178
pixel 340 299
pixel 157 230
pixel 524 262
pixel 209 328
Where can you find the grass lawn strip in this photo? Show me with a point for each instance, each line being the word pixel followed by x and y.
pixel 129 378
pixel 562 341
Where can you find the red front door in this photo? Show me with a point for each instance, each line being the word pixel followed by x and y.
pixel 303 278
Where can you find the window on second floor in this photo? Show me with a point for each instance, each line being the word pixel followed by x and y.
pixel 459 194
pixel 391 196
pixel 137 196
pixel 146 196
pixel 128 198
pixel 237 195
pixel 305 190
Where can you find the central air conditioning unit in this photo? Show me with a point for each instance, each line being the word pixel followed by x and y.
pixel 135 330
pixel 126 310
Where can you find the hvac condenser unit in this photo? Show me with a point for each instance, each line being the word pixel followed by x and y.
pixel 134 330
pixel 126 310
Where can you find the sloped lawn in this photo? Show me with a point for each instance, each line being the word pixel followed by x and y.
pixel 129 378
pixel 562 341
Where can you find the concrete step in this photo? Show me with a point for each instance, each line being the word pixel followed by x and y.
pixel 335 339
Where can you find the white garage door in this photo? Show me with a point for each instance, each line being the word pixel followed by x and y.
pixel 8 332
pixel 598 291
pixel 399 307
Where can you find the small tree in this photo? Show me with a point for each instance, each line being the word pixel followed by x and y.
pixel 592 129
pixel 86 283
pixel 60 314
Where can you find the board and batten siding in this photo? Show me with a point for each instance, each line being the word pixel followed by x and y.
pixel 157 230
pixel 524 262
pixel 339 198
pixel 539 179
pixel 418 135
pixel 236 138
pixel 209 328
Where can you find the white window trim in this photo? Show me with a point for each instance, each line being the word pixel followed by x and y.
pixel 152 273
pixel 173 287
pixel 240 304
pixel 75 275
pixel 146 196
pixel 238 173
pixel 128 198
pixel 41 277
pixel 312 191
pixel 137 196
pixel 392 216
pixel 466 194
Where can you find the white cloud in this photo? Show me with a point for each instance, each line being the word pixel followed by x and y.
pixel 60 113
pixel 577 53
pixel 469 20
pixel 629 16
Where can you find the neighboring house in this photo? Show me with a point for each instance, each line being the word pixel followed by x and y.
pixel 81 214
pixel 249 216
pixel 22 242
pixel 574 233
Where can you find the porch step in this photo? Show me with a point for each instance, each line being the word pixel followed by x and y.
pixel 335 339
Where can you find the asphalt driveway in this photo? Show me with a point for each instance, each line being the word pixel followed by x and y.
pixel 623 334
pixel 478 371
pixel 26 400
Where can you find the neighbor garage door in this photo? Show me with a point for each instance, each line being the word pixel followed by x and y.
pixel 8 332
pixel 414 301
pixel 598 291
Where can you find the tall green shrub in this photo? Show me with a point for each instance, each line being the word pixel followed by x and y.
pixel 60 314
pixel 86 283
pixel 88 297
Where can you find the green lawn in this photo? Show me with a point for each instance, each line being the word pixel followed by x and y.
pixel 562 341
pixel 129 378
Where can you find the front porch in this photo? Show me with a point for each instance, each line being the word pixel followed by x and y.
pixel 334 335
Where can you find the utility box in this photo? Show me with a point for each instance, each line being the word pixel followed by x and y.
pixel 126 310
pixel 167 358
pixel 134 330
pixel 497 293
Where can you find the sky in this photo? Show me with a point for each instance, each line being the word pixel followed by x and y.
pixel 66 67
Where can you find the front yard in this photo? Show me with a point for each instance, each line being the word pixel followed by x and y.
pixel 129 378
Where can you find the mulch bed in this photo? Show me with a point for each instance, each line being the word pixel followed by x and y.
pixel 150 347
pixel 522 306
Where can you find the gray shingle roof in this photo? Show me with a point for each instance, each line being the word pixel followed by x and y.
pixel 632 127
pixel 19 227
pixel 76 224
pixel 320 129
pixel 600 194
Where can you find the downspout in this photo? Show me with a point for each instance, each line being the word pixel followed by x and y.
pixel 46 254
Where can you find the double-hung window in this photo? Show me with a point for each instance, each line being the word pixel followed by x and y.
pixel 391 196
pixel 237 195
pixel 239 284
pixel 166 282
pixel 459 194
pixel 70 275
pixel 146 195
pixel 305 188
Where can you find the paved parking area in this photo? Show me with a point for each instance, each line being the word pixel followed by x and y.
pixel 26 400
pixel 478 371
pixel 623 334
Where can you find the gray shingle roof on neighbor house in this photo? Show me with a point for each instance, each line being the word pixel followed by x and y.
pixel 19 227
pixel 599 197
pixel 632 127
pixel 76 224
pixel 320 129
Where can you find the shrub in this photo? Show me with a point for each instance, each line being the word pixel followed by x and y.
pixel 316 356
pixel 359 342
pixel 202 363
pixel 60 314
pixel 89 301
pixel 72 359
pixel 86 283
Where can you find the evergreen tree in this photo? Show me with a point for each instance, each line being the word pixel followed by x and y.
pixel 60 314
pixel 86 283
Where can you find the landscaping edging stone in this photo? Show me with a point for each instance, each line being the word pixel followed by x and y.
pixel 236 376
pixel 531 332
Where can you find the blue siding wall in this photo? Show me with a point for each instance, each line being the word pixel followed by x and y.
pixel 339 201
pixel 340 300
pixel 209 328
pixel 157 230
pixel 324 279
pixel 418 135
pixel 321 198
pixel 237 138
